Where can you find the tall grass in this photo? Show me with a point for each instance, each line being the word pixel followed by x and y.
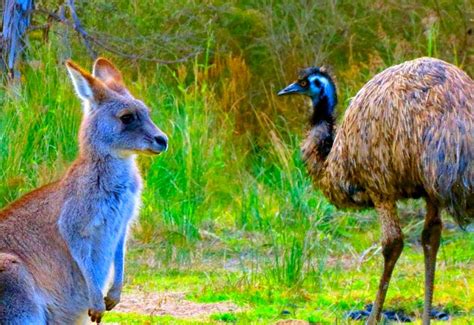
pixel 39 123
pixel 233 170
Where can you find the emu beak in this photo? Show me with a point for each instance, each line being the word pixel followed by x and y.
pixel 290 89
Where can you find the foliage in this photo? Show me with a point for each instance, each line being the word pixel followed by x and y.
pixel 232 192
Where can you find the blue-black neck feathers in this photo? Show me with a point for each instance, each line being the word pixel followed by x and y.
pixel 317 84
pixel 322 91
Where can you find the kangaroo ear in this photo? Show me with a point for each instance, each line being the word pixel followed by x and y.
pixel 110 75
pixel 87 87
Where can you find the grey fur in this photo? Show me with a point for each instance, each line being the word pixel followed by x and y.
pixel 61 243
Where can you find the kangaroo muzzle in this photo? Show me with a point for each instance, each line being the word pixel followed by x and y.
pixel 160 143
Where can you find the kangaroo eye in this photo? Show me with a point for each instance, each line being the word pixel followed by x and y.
pixel 127 118
pixel 303 83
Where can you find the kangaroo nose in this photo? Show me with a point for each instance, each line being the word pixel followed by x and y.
pixel 162 142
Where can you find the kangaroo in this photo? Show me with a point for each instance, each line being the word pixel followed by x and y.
pixel 60 243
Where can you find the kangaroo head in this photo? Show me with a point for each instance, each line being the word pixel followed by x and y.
pixel 114 122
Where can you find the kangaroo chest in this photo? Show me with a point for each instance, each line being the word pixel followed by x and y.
pixel 99 206
pixel 111 210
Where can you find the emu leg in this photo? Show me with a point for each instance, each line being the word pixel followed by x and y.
pixel 430 239
pixel 392 246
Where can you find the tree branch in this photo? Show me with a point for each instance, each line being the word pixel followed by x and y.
pixel 97 40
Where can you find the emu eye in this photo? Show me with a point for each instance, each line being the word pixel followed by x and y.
pixel 127 118
pixel 304 83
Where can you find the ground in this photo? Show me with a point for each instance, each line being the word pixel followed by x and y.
pixel 233 289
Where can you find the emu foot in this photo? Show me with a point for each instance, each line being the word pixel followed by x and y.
pixel 439 314
pixel 389 315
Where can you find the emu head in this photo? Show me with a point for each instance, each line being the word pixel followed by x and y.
pixel 114 122
pixel 317 84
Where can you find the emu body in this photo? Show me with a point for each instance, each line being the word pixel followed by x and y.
pixel 408 133
pixel 60 243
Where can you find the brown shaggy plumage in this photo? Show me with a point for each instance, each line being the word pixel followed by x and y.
pixel 408 133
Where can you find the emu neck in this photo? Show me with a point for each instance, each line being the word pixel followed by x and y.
pixel 319 140
pixel 322 119
pixel 323 112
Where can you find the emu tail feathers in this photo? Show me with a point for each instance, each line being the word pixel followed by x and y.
pixel 448 166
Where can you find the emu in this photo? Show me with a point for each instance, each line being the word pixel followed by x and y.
pixel 59 243
pixel 408 133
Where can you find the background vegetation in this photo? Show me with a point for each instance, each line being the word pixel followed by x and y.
pixel 229 212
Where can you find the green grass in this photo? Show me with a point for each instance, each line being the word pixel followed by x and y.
pixel 135 319
pixel 229 212
pixel 347 282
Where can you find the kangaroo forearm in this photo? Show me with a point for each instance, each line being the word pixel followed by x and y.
pixel 119 261
pixel 81 254
pixel 86 267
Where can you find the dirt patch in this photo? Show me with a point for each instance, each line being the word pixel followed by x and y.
pixel 171 304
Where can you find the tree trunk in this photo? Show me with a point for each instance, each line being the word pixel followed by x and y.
pixel 15 22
